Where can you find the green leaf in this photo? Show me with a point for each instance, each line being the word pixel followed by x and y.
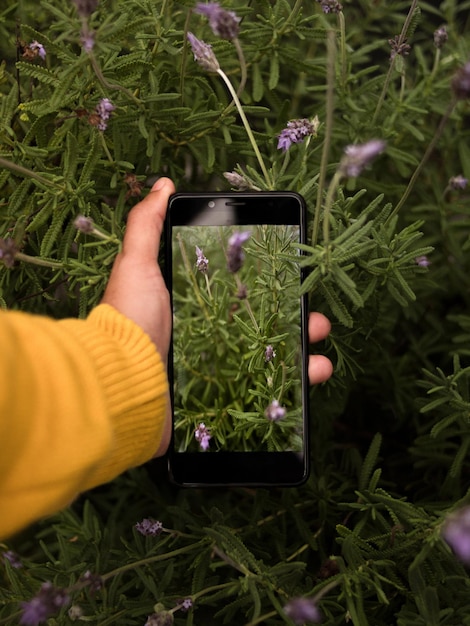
pixel 337 306
pixel 370 461
pixel 273 72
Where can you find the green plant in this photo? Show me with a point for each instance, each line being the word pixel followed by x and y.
pixel 388 254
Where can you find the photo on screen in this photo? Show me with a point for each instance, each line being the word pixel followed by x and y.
pixel 237 357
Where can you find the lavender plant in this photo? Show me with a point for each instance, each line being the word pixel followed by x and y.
pixel 96 100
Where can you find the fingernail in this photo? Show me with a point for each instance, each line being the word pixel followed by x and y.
pixel 159 184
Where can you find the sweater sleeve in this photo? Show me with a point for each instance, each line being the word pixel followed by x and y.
pixel 80 402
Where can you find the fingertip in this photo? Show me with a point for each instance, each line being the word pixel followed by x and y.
pixel 320 369
pixel 319 326
pixel 162 182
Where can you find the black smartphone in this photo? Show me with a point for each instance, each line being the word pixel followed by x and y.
pixel 239 353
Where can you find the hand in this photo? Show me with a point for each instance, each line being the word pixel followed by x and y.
pixel 136 287
pixel 320 367
pixel 137 290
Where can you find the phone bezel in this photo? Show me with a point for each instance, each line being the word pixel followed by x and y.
pixel 207 469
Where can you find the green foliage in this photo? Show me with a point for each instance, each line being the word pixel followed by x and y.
pixel 390 431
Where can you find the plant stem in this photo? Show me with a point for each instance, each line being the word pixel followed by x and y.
pixel 246 124
pixel 424 160
pixel 388 78
pixel 150 559
pixel 24 171
pixel 328 204
pixel 243 68
pixel 34 260
pixel 342 40
pixel 330 82
pixel 208 285
pixel 437 58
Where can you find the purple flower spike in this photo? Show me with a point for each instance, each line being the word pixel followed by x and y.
pixel 8 250
pixel 235 254
pixel 440 36
pixel 202 436
pixel 422 261
pixel 456 532
pixel 330 6
pixel 461 82
pixel 458 182
pixel 201 261
pixel 185 604
pixel 87 39
pixel 45 603
pixel 84 224
pixel 275 411
pixel 301 610
pixel 203 54
pixel 12 558
pixel 224 23
pixel 357 157
pixel 38 48
pixel 296 131
pixel 101 114
pixel 269 353
pixel 149 527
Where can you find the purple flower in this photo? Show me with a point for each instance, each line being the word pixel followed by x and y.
pixel 8 250
pixel 185 604
pixel 45 603
pixel 275 411
pixel 301 610
pixel 237 181
pixel 224 23
pixel 356 157
pixel 202 436
pixel 398 47
pixel 149 527
pixel 458 182
pixel 38 49
pixel 422 261
pixel 201 262
pixel 93 581
pixel 460 83
pixel 440 36
pixel 203 54
pixel 296 131
pixel 12 558
pixel 456 532
pixel 330 6
pixel 235 254
pixel 103 110
pixel 269 353
pixel 87 39
pixel 84 224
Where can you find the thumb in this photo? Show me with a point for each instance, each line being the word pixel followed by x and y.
pixel 145 223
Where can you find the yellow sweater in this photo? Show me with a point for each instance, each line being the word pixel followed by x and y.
pixel 80 402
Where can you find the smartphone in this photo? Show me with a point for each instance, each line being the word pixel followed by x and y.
pixel 239 353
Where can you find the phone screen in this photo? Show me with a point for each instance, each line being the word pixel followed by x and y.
pixel 238 361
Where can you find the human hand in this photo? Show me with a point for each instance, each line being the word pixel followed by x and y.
pixel 137 290
pixel 320 367
pixel 136 287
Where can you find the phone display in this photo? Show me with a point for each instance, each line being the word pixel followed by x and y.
pixel 239 353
